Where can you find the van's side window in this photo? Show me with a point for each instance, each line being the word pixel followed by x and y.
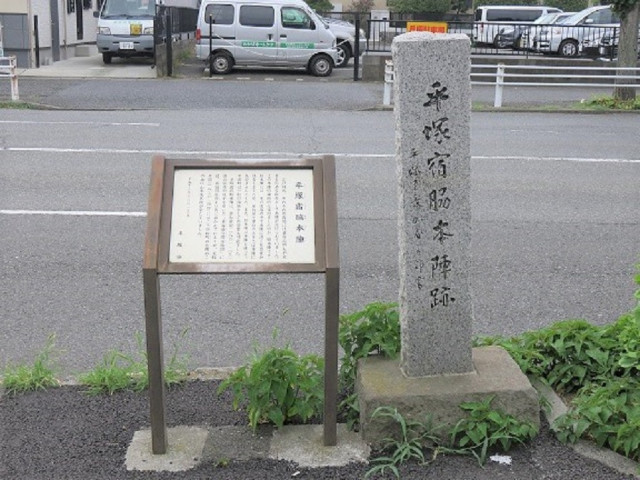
pixel 295 18
pixel 602 16
pixel 256 16
pixel 221 14
pixel 507 15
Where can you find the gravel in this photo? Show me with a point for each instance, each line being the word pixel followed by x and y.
pixel 64 433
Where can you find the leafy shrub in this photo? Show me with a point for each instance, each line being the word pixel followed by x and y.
pixel 278 386
pixel 485 428
pixel 373 330
pixel 567 354
pixel 610 415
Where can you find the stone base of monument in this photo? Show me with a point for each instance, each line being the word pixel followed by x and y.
pixel 381 383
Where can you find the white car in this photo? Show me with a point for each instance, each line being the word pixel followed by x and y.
pixel 345 33
pixel 565 39
pixel 530 34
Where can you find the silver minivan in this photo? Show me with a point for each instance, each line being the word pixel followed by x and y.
pixel 490 19
pixel 267 33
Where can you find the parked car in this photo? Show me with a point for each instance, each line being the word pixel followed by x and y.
pixel 608 46
pixel 345 33
pixel 529 34
pixel 265 33
pixel 565 39
pixel 488 20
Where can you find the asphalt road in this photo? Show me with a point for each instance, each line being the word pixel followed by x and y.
pixel 554 219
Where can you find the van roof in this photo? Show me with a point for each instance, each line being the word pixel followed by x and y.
pixel 271 2
pixel 519 7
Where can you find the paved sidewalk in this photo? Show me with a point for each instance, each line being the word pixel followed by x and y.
pixel 93 67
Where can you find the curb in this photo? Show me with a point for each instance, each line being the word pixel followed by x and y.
pixel 584 448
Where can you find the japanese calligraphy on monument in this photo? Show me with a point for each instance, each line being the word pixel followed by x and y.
pixel 236 215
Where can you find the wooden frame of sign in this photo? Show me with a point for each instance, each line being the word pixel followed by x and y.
pixel 240 217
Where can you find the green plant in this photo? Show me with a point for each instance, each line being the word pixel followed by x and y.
pixel 372 330
pixel 566 355
pixel 611 103
pixel 610 415
pixel 485 428
pixel 119 371
pixel 414 436
pixel 420 6
pixel 17 105
pixel 278 385
pixel 40 375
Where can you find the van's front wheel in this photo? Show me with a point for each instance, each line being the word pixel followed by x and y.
pixel 106 58
pixel 344 54
pixel 221 63
pixel 321 65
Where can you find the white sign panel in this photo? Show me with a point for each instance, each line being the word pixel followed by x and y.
pixel 235 215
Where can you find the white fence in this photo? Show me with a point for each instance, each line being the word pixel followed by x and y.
pixel 503 76
pixel 8 69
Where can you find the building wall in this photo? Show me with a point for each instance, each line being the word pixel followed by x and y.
pixel 18 35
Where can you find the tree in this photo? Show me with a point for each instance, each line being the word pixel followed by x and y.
pixel 420 6
pixel 320 5
pixel 361 6
pixel 629 11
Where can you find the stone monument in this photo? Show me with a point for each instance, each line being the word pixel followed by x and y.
pixel 438 369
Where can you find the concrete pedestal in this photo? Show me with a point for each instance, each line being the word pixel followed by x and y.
pixel 381 383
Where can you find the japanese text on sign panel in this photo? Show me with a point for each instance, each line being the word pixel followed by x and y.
pixel 232 215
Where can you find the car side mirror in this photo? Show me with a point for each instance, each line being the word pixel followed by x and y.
pixel 96 14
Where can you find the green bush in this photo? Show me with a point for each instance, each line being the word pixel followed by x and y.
pixel 278 386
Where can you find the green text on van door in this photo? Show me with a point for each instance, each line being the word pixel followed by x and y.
pixel 298 45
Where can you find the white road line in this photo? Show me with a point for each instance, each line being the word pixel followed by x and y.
pixel 74 213
pixel 112 124
pixel 258 155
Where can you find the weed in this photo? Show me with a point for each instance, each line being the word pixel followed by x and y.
pixel 414 438
pixel 17 105
pixel 373 330
pixel 278 386
pixel 39 376
pixel 611 103
pixel 609 414
pixel 119 371
pixel 485 428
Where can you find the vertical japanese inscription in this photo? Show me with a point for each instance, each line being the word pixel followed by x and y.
pixel 432 193
pixel 231 215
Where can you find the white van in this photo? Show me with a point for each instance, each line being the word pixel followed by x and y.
pixel 490 19
pixel 125 28
pixel 268 33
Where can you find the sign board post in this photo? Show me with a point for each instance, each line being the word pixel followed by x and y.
pixel 240 217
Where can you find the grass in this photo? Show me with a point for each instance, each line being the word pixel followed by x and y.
pixel 119 371
pixel 18 105
pixel 38 376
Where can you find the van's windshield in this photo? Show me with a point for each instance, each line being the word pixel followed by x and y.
pixel 128 8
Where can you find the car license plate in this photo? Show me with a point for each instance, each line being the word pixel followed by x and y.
pixel 126 46
pixel 135 28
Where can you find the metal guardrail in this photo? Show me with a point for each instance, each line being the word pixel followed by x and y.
pixel 519 76
pixel 528 40
pixel 8 69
